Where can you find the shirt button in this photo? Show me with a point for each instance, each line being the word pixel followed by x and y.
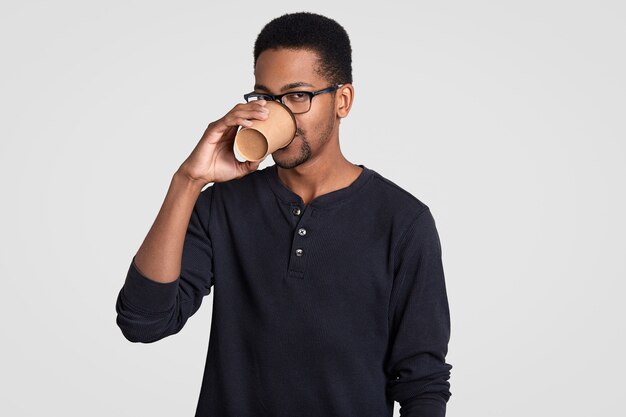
pixel 299 252
pixel 302 231
pixel 296 211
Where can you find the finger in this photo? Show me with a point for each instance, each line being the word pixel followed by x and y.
pixel 248 113
pixel 229 134
pixel 248 166
pixel 243 118
pixel 256 104
pixel 240 115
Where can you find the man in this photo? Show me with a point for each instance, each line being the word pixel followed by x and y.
pixel 329 292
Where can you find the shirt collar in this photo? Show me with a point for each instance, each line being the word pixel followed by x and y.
pixel 285 194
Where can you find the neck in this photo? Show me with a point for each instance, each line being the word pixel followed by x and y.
pixel 320 175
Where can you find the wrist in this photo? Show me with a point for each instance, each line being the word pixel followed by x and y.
pixel 186 181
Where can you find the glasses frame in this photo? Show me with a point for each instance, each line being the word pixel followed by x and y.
pixel 279 97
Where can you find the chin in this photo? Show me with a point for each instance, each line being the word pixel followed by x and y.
pixel 294 154
pixel 287 164
pixel 290 162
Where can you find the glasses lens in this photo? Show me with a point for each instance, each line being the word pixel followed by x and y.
pixel 254 97
pixel 297 102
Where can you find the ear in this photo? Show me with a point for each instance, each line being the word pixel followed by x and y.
pixel 344 99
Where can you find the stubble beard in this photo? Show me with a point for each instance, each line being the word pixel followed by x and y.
pixel 304 153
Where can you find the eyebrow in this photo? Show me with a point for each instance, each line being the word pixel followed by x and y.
pixel 285 87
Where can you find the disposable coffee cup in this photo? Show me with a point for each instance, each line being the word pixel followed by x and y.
pixel 264 137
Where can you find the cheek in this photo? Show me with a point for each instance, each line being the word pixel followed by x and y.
pixel 303 124
pixel 314 123
pixel 310 122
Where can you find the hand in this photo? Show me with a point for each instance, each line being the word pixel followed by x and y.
pixel 213 158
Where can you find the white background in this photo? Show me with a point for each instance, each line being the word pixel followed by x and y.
pixel 505 118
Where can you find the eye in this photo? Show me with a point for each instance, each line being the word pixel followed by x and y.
pixel 296 97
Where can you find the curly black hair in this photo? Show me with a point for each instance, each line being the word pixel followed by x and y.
pixel 311 31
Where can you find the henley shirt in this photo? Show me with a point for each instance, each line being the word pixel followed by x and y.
pixel 334 308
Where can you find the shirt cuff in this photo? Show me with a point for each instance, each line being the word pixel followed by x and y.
pixel 422 408
pixel 147 295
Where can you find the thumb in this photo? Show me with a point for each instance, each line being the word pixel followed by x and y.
pixel 250 166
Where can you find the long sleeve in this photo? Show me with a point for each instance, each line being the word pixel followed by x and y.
pixel 148 310
pixel 419 324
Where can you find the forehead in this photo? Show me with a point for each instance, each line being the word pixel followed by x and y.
pixel 276 68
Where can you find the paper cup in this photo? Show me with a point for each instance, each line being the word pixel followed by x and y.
pixel 266 136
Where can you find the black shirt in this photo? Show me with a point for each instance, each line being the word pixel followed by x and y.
pixel 336 308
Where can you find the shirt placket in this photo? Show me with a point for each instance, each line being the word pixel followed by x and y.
pixel 300 245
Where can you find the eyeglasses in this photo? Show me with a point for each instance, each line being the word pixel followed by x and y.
pixel 297 101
